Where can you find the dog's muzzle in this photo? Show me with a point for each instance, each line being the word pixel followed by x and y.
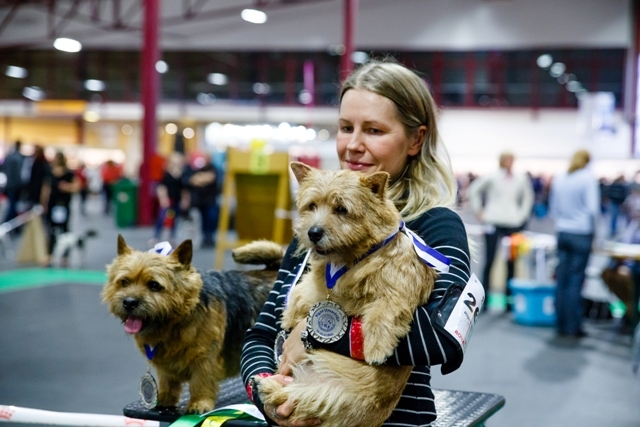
pixel 315 234
pixel 129 304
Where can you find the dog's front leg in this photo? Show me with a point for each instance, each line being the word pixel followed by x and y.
pixel 169 389
pixel 383 325
pixel 203 389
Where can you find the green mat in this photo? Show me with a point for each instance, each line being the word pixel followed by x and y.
pixel 28 278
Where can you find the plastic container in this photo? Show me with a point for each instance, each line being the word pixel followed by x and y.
pixel 533 302
pixel 125 193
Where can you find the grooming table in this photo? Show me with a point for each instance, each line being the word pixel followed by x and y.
pixel 454 408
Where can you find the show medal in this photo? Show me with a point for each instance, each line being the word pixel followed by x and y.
pixel 148 390
pixel 327 322
pixel 277 348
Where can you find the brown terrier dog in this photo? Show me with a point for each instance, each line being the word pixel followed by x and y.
pixel 343 216
pixel 192 322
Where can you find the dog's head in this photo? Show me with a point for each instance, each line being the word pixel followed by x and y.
pixel 342 213
pixel 148 291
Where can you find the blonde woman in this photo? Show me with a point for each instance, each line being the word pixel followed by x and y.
pixel 574 206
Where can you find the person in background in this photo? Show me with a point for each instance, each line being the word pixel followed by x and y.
pixel 81 173
pixel 111 173
pixel 574 207
pixel 387 123
pixel 616 192
pixel 59 187
pixel 203 183
pixel 172 197
pixel 508 201
pixel 40 171
pixel 12 168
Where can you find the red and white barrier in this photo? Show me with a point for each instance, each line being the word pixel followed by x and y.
pixel 17 414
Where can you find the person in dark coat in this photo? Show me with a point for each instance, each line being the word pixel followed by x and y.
pixel 40 170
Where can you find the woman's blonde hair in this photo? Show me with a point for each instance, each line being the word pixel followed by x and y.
pixel 427 180
pixel 579 160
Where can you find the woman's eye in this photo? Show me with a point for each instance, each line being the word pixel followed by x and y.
pixel 341 210
pixel 312 206
pixel 375 131
pixel 154 286
pixel 346 129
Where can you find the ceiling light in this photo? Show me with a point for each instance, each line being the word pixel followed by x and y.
pixel 171 128
pixel 162 67
pixel 206 98
pixel 359 57
pixel 33 93
pixel 254 16
pixel 305 97
pixel 544 61
pixel 261 88
pixel 127 129
pixel 557 69
pixel 218 79
pixel 16 72
pixel 188 133
pixel 94 85
pixel 67 45
pixel 574 86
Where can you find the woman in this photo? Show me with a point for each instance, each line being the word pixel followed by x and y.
pixel 61 185
pixel 172 197
pixel 574 205
pixel 40 170
pixel 387 123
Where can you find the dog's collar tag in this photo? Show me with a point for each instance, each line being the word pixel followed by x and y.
pixel 427 254
pixel 150 351
pixel 162 248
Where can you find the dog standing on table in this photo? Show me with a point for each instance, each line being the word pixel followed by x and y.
pixel 189 324
pixel 346 219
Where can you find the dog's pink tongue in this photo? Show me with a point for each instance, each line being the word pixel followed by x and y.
pixel 132 325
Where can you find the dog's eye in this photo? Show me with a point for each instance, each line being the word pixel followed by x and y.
pixel 154 286
pixel 124 283
pixel 341 210
pixel 312 206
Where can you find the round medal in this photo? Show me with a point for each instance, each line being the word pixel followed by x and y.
pixel 327 322
pixel 277 348
pixel 148 391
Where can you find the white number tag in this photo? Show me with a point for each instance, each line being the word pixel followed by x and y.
pixel 463 317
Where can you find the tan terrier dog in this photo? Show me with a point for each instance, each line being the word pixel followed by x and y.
pixel 189 324
pixel 346 219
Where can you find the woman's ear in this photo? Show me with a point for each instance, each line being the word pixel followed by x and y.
pixel 417 139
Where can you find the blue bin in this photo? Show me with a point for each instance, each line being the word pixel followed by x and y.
pixel 533 302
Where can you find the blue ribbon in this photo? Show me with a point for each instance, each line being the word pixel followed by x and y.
pixel 162 248
pixel 150 351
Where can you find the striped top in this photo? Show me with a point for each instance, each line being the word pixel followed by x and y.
pixel 426 344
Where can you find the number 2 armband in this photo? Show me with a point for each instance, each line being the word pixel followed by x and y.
pixel 455 317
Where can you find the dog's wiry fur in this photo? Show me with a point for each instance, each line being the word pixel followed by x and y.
pixel 352 214
pixel 196 320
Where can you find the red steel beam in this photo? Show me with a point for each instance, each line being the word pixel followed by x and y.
pixel 149 84
pixel 350 17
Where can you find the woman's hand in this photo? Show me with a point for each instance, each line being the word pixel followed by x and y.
pixel 292 350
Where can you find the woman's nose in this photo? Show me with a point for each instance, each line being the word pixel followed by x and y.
pixel 355 142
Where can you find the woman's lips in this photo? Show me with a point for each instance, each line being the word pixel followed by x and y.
pixel 356 166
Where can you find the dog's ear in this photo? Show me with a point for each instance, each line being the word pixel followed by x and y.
pixel 184 252
pixel 377 182
pixel 123 248
pixel 300 170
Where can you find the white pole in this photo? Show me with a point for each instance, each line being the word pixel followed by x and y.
pixel 16 414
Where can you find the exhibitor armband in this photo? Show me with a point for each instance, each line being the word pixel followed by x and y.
pixel 456 315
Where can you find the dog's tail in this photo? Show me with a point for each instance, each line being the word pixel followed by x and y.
pixel 259 252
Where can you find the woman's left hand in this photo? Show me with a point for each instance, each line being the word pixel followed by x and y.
pixel 292 350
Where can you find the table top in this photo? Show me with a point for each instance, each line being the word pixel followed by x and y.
pixel 622 250
pixel 455 408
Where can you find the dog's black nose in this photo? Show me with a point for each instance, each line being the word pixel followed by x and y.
pixel 315 234
pixel 129 304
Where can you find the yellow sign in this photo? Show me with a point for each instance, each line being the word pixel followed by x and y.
pixel 259 160
pixel 54 107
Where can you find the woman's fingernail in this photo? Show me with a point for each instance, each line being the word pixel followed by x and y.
pixel 288 380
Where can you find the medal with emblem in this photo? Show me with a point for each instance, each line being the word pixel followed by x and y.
pixel 277 348
pixel 327 322
pixel 148 390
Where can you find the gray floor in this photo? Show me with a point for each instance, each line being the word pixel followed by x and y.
pixel 60 350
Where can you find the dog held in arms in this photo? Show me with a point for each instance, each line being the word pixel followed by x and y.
pixel 343 215
pixel 192 323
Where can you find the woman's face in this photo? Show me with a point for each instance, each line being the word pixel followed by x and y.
pixel 370 136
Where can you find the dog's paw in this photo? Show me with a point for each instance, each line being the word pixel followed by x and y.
pixel 375 356
pixel 271 391
pixel 199 407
